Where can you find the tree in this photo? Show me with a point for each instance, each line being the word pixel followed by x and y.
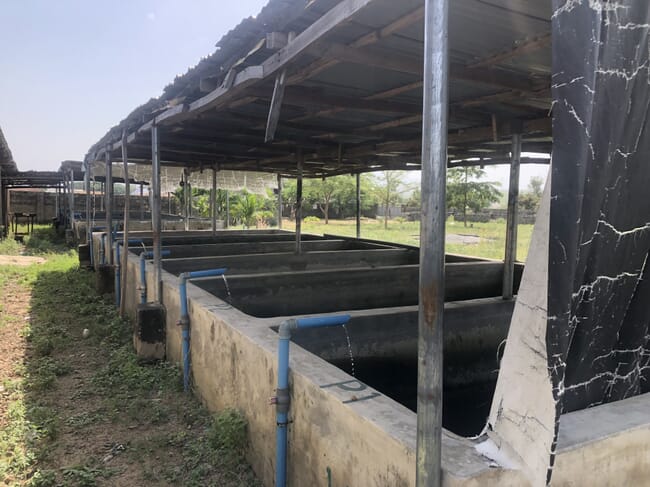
pixel 246 208
pixel 530 199
pixel 466 192
pixel 389 188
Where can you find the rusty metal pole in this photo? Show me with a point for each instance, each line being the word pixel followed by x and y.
pixel 432 244
pixel 299 203
pixel 513 218
pixel 156 219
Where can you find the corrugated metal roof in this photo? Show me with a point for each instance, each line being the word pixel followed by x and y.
pixel 378 48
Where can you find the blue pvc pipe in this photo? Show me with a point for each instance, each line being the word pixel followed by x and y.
pixel 282 399
pixel 147 254
pixel 185 317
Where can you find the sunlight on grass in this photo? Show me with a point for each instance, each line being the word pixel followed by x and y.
pixel 491 244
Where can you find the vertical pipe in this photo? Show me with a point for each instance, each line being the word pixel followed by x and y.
pixel 358 205
pixel 299 203
pixel 108 204
pixel 513 217
pixel 280 201
pixel 432 244
pixel 227 209
pixel 156 222
pixel 127 216
pixel 213 202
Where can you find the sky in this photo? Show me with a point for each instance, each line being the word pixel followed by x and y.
pixel 72 69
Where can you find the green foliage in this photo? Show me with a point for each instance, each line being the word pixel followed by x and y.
pixel 530 199
pixel 311 219
pixel 229 433
pixel 246 208
pixel 336 194
pixel 466 192
pixel 389 188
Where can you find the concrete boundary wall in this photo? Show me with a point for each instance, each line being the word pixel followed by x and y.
pixel 365 438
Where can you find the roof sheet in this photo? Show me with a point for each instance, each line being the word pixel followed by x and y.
pixel 347 103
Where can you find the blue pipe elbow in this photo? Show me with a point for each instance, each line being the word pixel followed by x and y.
pixel 282 398
pixel 184 321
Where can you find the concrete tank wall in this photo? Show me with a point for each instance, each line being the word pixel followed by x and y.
pixel 363 436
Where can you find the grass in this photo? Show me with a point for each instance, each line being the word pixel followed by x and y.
pixel 491 244
pixel 78 411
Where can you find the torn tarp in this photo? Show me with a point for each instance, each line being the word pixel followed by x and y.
pixel 579 335
pixel 598 293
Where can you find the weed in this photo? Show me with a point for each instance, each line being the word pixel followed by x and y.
pixel 85 475
pixel 229 433
pixel 43 478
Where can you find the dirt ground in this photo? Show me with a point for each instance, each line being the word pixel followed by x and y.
pixel 22 260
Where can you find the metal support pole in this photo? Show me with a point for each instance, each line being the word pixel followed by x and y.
pixel 432 244
pixel 88 195
pixel 280 201
pixel 57 210
pixel 127 216
pixel 186 197
pixel 299 204
pixel 102 200
pixel 513 217
pixel 213 202
pixel 71 172
pixel 108 205
pixel 227 209
pixel 141 202
pixel 358 205
pixel 156 220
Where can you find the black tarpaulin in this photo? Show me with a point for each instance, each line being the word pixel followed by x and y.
pixel 599 292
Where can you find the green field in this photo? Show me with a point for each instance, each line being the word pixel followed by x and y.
pixel 491 234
